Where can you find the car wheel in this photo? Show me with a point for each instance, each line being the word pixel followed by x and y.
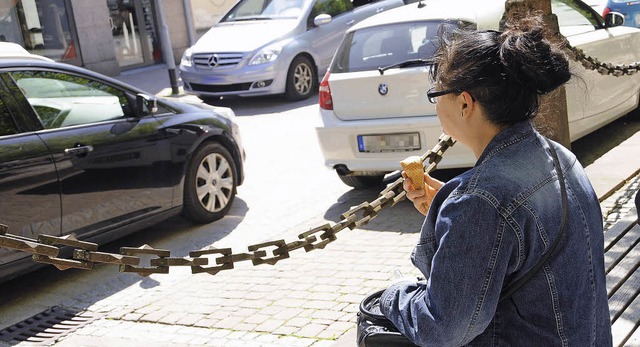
pixel 210 184
pixel 302 80
pixel 361 182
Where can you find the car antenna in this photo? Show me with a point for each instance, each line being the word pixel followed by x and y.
pixel 421 4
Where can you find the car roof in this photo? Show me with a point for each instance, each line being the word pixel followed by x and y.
pixel 486 13
pixel 10 50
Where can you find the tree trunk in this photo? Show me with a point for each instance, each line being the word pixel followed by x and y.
pixel 552 120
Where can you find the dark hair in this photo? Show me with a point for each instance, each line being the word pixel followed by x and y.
pixel 505 72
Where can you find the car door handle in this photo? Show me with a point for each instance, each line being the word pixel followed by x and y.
pixel 79 150
pixel 380 9
pixel 351 22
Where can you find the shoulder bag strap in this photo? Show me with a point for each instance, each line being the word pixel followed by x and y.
pixel 515 285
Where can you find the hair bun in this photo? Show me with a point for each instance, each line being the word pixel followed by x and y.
pixel 530 59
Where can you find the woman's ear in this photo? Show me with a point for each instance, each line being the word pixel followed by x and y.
pixel 467 102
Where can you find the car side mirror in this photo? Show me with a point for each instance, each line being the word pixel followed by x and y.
pixel 613 19
pixel 322 19
pixel 146 104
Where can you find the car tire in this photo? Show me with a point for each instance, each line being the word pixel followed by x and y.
pixel 210 184
pixel 302 79
pixel 361 182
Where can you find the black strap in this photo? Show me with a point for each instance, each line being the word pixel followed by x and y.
pixel 515 285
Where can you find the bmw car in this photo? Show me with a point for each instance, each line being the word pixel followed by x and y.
pixel 373 103
pixel 87 155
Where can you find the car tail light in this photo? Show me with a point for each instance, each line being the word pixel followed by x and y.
pixel 605 11
pixel 325 100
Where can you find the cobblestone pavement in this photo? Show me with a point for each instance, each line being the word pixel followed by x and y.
pixel 308 300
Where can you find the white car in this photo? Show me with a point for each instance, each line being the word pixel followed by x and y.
pixel 373 101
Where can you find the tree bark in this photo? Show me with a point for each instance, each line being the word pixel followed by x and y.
pixel 552 119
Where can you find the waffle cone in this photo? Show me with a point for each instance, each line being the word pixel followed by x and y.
pixel 414 170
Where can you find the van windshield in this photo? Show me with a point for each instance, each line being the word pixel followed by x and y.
pixel 246 10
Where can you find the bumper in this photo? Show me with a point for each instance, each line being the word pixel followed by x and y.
pixel 339 145
pixel 255 80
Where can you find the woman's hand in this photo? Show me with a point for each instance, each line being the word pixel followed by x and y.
pixel 422 198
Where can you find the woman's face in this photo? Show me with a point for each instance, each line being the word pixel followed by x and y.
pixel 449 113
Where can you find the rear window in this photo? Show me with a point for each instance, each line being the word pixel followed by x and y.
pixel 374 47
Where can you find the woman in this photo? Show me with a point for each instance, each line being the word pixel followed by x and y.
pixel 487 227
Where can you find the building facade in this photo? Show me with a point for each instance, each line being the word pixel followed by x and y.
pixel 107 36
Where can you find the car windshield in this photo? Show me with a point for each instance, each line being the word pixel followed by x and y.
pixel 247 10
pixel 389 46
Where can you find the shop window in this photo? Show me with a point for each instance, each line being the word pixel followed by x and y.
pixel 43 27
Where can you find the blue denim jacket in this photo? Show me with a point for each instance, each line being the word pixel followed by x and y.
pixel 484 230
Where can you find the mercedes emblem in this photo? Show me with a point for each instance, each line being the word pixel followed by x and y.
pixel 213 61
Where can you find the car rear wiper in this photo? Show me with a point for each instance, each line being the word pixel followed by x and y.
pixel 405 63
pixel 251 18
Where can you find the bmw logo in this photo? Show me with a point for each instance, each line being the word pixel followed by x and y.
pixel 383 89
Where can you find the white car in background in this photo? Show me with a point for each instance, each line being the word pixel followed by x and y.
pixel 263 47
pixel 373 101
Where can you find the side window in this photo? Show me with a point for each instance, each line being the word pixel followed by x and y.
pixel 573 19
pixel 331 7
pixel 62 100
pixel 7 126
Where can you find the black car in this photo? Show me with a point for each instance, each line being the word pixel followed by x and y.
pixel 84 154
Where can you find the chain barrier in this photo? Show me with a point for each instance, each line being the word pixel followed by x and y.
pixel 213 260
pixel 591 63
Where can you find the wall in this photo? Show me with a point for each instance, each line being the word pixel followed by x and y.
pixel 94 35
pixel 175 19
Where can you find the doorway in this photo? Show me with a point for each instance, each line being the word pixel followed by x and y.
pixel 135 34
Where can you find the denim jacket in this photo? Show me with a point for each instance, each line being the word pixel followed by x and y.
pixel 485 229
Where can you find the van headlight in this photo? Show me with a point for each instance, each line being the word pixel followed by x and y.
pixel 186 58
pixel 269 53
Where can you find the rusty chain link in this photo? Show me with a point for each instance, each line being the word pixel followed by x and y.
pixel 85 254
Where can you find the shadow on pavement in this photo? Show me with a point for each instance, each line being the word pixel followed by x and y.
pixel 251 106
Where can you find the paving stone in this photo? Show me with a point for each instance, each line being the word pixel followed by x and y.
pixel 311 330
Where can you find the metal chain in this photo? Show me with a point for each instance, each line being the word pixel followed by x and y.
pixel 213 260
pixel 592 63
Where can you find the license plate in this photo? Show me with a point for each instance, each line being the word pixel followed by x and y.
pixel 389 143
